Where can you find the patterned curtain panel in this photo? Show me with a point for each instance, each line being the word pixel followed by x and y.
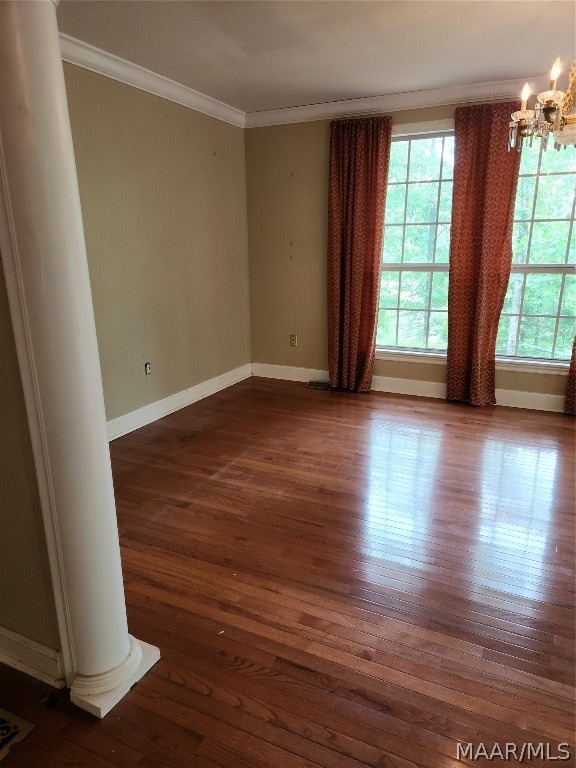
pixel 570 401
pixel 485 180
pixel 359 157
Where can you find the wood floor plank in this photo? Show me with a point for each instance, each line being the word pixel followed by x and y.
pixel 261 607
pixel 387 723
pixel 554 727
pixel 334 581
pixel 324 606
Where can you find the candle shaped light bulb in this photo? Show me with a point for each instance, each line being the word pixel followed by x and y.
pixel 554 72
pixel 524 96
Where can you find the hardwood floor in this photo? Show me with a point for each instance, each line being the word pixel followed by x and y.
pixel 335 580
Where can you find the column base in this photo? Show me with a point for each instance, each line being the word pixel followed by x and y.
pixel 99 704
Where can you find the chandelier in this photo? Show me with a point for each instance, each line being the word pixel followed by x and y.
pixel 553 114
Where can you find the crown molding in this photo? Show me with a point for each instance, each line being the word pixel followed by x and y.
pixel 395 102
pixel 96 60
pixel 427 126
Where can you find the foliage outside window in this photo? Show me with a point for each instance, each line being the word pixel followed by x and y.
pixel 538 317
pixel 413 308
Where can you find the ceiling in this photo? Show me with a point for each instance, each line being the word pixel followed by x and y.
pixel 273 54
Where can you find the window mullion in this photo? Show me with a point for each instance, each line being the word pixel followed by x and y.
pixel 537 181
pixel 403 236
pixel 520 314
pixel 398 307
pixel 561 298
pixel 405 203
pixel 415 267
pixel 570 229
pixel 431 274
pixel 546 269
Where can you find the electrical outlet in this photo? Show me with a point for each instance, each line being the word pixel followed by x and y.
pixel 147 368
pixel 293 339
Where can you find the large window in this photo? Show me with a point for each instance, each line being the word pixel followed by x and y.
pixel 413 309
pixel 538 319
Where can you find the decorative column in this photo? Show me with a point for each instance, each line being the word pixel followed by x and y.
pixel 46 270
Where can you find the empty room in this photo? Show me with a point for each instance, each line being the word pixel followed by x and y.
pixel 288 364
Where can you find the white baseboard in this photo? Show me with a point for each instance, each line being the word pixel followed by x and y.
pixel 379 383
pixel 32 658
pixel 149 413
pixel 288 373
pixel 508 397
pixel 534 401
pixel 408 387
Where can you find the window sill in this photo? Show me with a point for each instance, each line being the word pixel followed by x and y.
pixel 531 366
pixel 526 365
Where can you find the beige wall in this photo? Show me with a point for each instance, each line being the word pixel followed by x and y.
pixel 287 222
pixel 287 172
pixel 163 193
pixel 26 601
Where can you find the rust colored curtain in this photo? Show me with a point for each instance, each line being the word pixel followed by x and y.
pixel 485 181
pixel 359 157
pixel 570 400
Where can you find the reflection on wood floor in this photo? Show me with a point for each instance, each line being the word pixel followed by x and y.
pixel 335 580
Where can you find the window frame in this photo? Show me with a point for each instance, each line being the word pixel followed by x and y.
pixel 551 268
pixel 433 129
pixel 438 357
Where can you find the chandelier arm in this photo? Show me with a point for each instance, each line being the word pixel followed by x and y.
pixel 553 113
pixel 568 100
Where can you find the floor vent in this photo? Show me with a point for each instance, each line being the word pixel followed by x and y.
pixel 12 730
pixel 319 385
